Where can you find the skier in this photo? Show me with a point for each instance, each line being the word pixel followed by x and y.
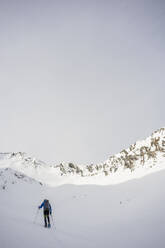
pixel 46 211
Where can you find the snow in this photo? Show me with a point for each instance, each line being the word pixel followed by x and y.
pixel 50 175
pixel 124 215
pixel 123 209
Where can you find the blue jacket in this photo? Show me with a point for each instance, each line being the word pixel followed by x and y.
pixel 43 205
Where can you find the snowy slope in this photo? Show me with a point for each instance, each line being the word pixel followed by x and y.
pixel 10 177
pixel 125 215
pixel 129 214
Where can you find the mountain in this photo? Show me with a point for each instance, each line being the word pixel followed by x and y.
pixel 143 157
pixel 10 177
pixel 129 214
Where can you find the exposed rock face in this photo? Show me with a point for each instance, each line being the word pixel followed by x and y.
pixel 142 153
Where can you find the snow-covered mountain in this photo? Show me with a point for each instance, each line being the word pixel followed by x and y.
pixel 146 153
pixel 130 214
pixel 10 177
pixel 139 159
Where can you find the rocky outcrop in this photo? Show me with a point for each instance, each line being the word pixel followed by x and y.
pixel 143 153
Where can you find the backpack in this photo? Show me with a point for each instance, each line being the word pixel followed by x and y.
pixel 46 205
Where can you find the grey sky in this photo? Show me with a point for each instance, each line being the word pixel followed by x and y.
pixel 80 80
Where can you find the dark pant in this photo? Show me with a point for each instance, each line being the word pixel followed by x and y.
pixel 46 217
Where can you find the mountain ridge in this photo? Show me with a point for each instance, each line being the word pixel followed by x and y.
pixel 144 155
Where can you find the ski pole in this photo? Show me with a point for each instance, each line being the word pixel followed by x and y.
pixel 52 219
pixel 35 218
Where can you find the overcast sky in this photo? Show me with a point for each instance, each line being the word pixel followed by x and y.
pixel 80 80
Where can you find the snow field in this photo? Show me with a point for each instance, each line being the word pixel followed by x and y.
pixel 129 215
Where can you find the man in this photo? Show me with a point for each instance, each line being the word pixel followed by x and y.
pixel 47 210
